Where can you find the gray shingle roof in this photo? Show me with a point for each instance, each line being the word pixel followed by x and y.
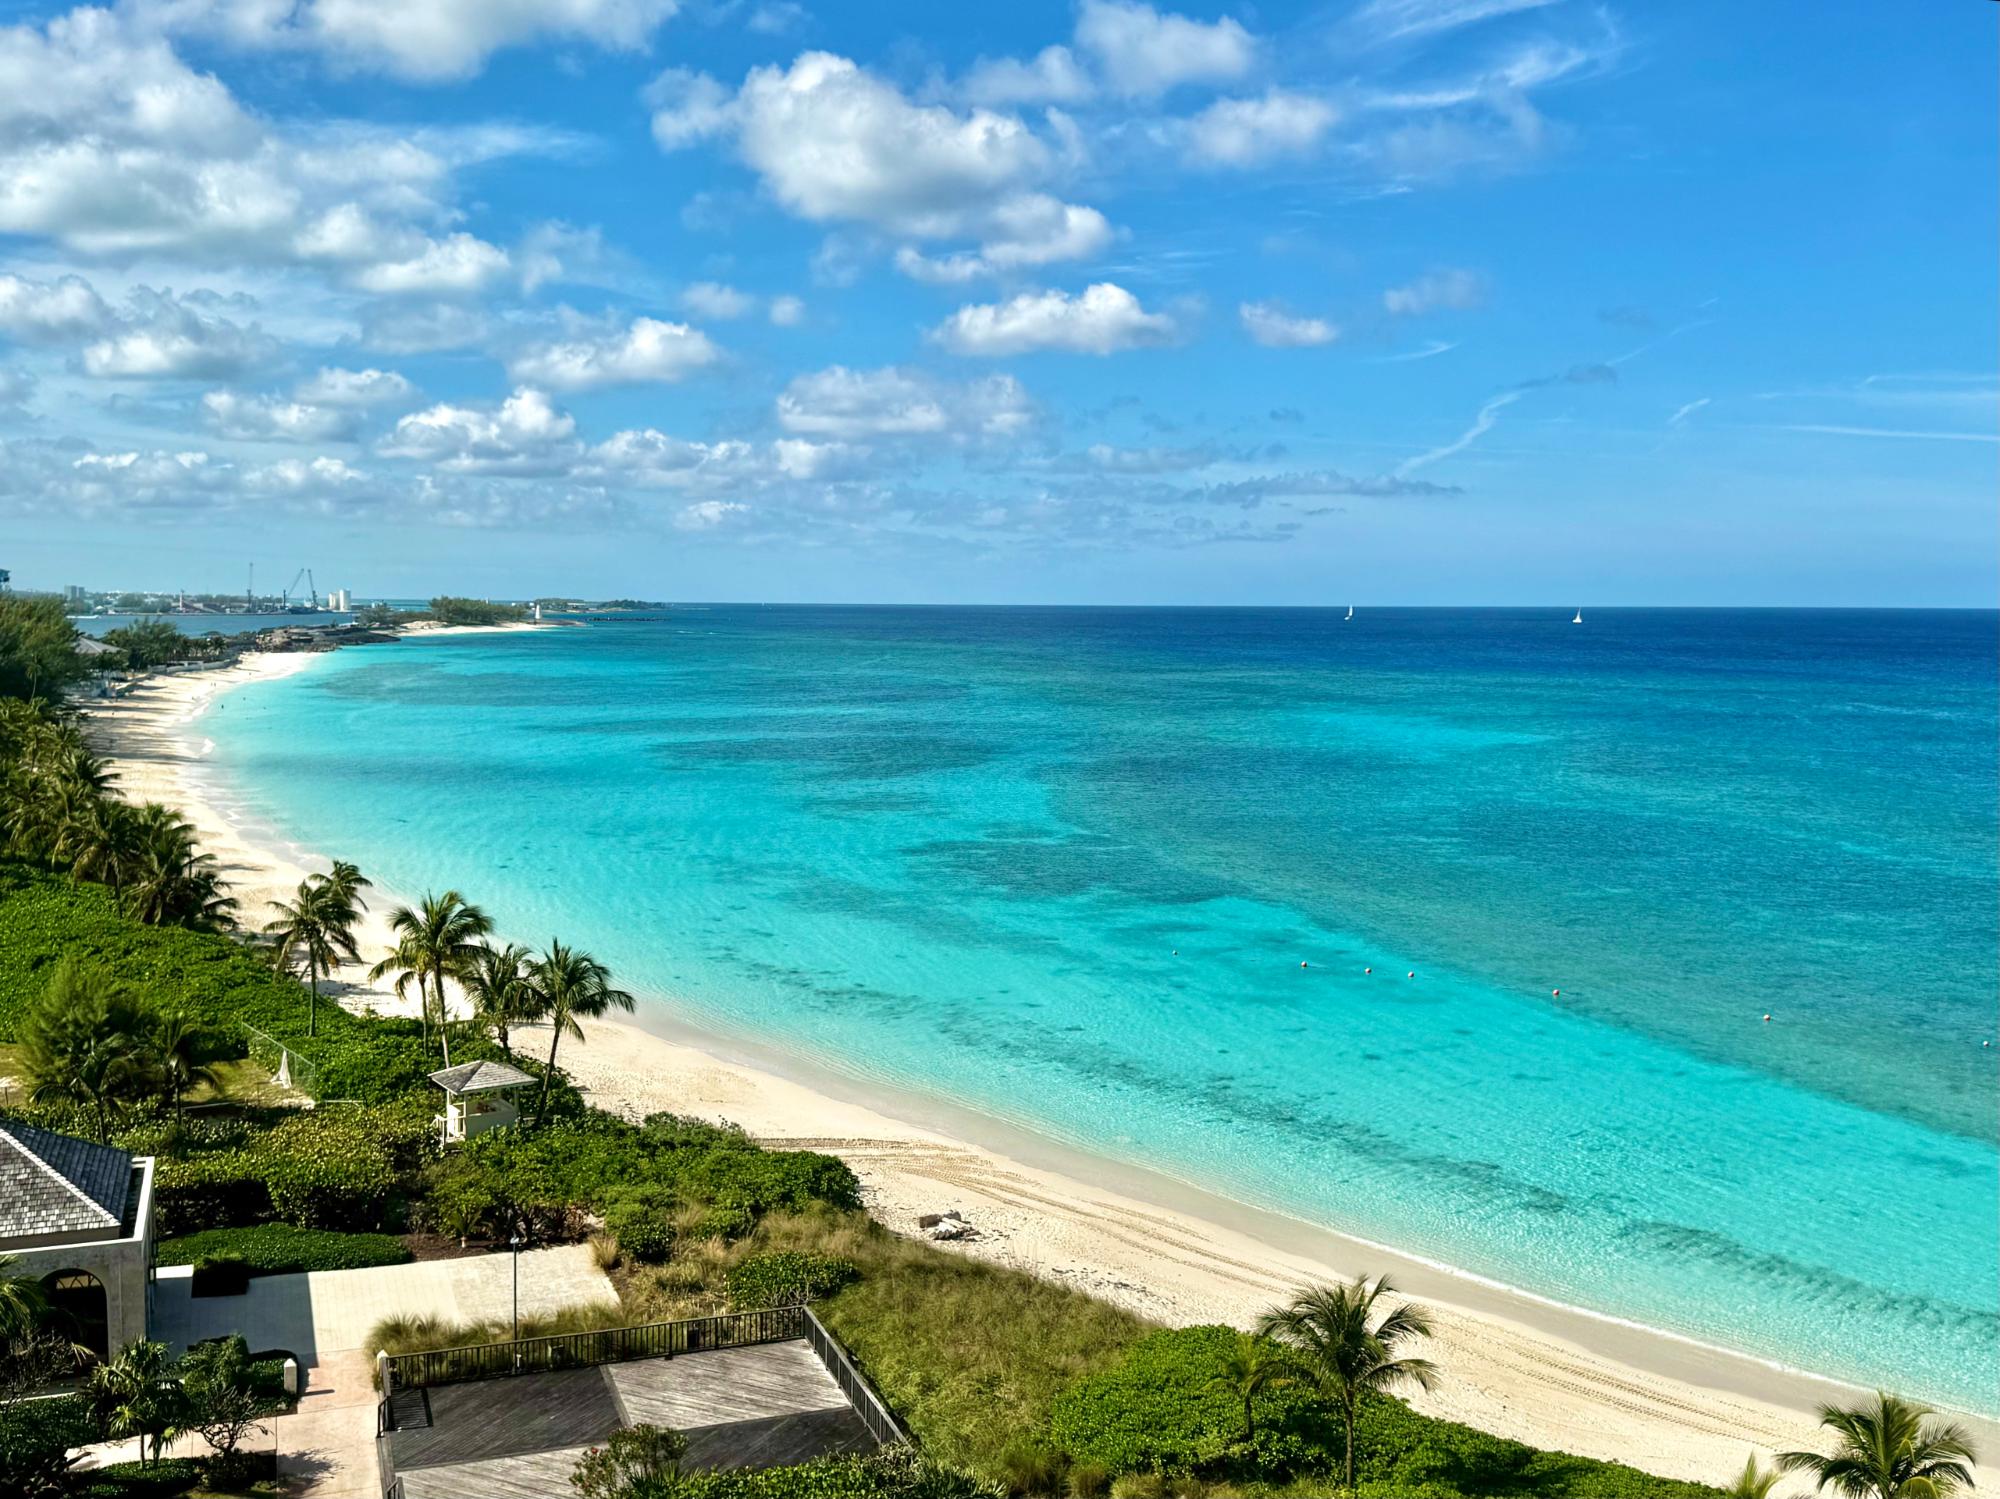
pixel 480 1077
pixel 57 1184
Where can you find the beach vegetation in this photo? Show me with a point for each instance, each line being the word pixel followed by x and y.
pixel 1887 1448
pixel 568 985
pixel 285 1249
pixel 502 992
pixel 437 939
pixel 787 1277
pixel 150 642
pixel 449 610
pixel 87 1044
pixel 38 655
pixel 1346 1338
pixel 1753 1482
pixel 314 931
pixel 225 1396
pixel 635 1459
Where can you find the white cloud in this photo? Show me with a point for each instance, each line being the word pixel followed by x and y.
pixel 457 263
pixel 706 515
pixel 1273 327
pixel 1053 77
pixel 272 418
pixel 424 328
pixel 432 40
pixel 163 337
pixel 1435 291
pixel 832 142
pixel 1031 230
pixel 1246 132
pixel 1103 320
pixel 526 435
pixel 1481 425
pixel 719 303
pixel 58 311
pixel 647 350
pixel 1687 411
pixel 787 312
pixel 846 404
pixel 369 387
pixel 1144 53
pixel 1398 20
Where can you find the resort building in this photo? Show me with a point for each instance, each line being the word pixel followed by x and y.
pixel 478 1096
pixel 78 1217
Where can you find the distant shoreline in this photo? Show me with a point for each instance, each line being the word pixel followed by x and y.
pixel 1527 1368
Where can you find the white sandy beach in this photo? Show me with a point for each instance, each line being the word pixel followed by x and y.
pixel 1544 1374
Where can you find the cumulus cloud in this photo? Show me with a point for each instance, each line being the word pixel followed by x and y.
pixel 1053 76
pixel 111 144
pixel 1249 132
pixel 457 263
pixel 1142 52
pixel 525 435
pixel 165 337
pixel 272 418
pixel 432 41
pixel 341 387
pixel 647 350
pixel 832 143
pixel 1435 291
pixel 716 302
pixel 50 312
pixel 1105 319
pixel 787 312
pixel 848 405
pixel 706 515
pixel 1270 325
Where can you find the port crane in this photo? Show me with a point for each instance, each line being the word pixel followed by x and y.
pixel 312 590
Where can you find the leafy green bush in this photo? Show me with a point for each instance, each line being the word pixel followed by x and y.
pixel 642 1226
pixel 35 1441
pixel 209 1189
pixel 221 1274
pixel 327 1170
pixel 1166 1408
pixel 166 1479
pixel 787 1278
pixel 282 1249
pixel 898 1473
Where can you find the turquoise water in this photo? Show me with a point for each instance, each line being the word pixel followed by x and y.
pixel 1062 868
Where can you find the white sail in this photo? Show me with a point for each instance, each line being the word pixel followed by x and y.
pixel 1579 618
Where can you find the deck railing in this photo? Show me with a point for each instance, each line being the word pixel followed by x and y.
pixel 853 1383
pixel 576 1350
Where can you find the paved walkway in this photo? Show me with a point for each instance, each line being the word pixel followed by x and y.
pixel 332 1311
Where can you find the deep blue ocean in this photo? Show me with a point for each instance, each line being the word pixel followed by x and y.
pixel 1062 866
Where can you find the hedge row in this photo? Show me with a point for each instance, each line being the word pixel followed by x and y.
pixel 282 1249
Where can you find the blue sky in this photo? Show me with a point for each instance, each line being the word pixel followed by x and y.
pixel 1412 301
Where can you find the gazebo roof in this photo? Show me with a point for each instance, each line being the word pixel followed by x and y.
pixel 480 1077
pixel 56 1184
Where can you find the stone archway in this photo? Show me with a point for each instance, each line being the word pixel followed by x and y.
pixel 78 1299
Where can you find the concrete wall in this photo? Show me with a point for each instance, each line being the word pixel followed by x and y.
pixel 123 1266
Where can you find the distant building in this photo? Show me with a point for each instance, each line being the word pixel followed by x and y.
pixel 78 1216
pixel 76 596
pixel 338 601
pixel 6 578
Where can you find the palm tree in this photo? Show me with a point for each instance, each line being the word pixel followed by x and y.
pixel 1347 1348
pixel 176 1039
pixel 315 931
pixel 1254 1365
pixel 1892 1449
pixel 22 1304
pixel 1753 1482
pixel 88 1042
pixel 171 881
pixel 347 882
pixel 569 984
pixel 436 941
pixel 135 1395
pixel 501 994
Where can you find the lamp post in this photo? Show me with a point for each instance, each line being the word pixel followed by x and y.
pixel 514 1243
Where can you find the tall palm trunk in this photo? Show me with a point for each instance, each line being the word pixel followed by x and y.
pixel 312 1004
pixel 1347 1415
pixel 556 1019
pixel 444 1020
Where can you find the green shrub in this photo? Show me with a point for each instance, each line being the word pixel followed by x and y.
pixel 644 1230
pixel 631 1456
pixel 165 1479
pixel 1163 1409
pixel 222 1274
pixel 328 1169
pixel 36 1437
pixel 282 1249
pixel 211 1189
pixel 787 1278
pixel 899 1473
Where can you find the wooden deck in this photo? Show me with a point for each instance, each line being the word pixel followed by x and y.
pixel 765 1406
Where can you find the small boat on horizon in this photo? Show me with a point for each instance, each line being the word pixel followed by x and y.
pixel 1579 618
pixel 1350 611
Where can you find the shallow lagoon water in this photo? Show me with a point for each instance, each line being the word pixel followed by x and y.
pixel 1062 867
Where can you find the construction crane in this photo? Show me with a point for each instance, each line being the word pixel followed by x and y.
pixel 285 598
pixel 312 589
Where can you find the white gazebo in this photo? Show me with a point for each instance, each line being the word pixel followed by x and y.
pixel 478 1096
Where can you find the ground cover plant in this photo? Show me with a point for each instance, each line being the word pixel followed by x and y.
pixel 284 1249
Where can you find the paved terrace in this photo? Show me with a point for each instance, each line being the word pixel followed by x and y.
pixel 518 1437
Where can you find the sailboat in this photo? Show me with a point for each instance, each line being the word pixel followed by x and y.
pixel 1350 611
pixel 1579 618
